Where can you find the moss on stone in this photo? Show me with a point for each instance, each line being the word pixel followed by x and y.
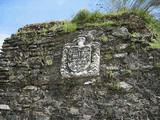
pixel 135 35
pixel 104 38
pixel 157 65
pixel 55 27
pixel 49 60
pixel 128 72
pixel 131 47
pixel 115 87
pixel 108 56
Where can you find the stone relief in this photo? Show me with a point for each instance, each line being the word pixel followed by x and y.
pixel 80 59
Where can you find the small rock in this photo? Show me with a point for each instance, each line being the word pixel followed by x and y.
pixel 123 46
pixel 74 111
pixel 147 67
pixel 31 88
pixel 4 107
pixel 1 118
pixel 120 55
pixel 20 77
pixel 90 82
pixel 121 32
pixel 112 68
pixel 91 34
pixel 125 86
pixel 87 117
pixel 40 116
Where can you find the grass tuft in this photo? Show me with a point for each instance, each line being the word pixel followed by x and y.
pixel 69 27
pixel 155 44
pixel 84 16
pixel 81 17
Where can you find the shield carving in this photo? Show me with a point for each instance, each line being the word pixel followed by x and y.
pixel 79 58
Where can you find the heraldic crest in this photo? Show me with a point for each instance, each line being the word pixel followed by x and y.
pixel 80 59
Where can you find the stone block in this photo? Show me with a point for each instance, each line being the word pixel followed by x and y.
pixel 80 59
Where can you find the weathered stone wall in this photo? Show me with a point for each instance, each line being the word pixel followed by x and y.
pixel 32 88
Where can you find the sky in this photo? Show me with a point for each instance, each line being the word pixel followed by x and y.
pixel 15 14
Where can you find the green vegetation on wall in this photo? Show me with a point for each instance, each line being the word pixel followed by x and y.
pixel 69 27
pixel 85 19
pixel 93 19
pixel 85 16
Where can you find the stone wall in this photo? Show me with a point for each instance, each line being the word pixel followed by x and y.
pixel 32 88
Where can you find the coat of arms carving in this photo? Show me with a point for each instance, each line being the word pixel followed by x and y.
pixel 80 59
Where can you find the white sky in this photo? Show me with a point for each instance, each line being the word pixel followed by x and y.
pixel 2 37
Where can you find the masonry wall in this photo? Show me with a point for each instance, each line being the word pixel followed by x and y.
pixel 32 88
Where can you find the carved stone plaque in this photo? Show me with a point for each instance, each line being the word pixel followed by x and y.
pixel 80 59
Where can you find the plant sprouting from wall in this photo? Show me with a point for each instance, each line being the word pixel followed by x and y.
pixel 152 6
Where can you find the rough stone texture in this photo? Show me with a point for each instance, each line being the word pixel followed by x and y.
pixel 80 59
pixel 32 86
